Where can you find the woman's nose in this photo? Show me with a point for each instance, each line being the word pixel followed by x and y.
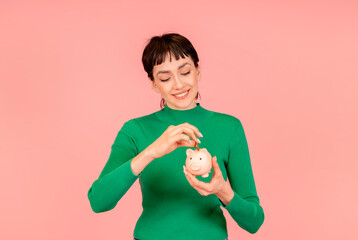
pixel 178 82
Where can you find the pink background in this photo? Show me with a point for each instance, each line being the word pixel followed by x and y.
pixel 71 75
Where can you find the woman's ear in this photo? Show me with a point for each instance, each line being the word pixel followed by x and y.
pixel 198 70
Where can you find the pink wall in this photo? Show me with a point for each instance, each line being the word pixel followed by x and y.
pixel 71 75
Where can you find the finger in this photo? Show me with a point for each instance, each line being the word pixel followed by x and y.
pixel 216 167
pixel 187 130
pixel 195 182
pixel 183 130
pixel 180 137
pixel 204 193
pixel 186 143
pixel 201 191
pixel 183 140
pixel 188 178
pixel 195 129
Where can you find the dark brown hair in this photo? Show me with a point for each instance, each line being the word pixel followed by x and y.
pixel 157 49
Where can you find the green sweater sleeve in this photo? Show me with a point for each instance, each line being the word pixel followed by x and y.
pixel 117 175
pixel 245 207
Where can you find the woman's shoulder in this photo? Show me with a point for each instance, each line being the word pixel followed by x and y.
pixel 225 118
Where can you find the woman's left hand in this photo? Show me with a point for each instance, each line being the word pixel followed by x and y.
pixel 217 185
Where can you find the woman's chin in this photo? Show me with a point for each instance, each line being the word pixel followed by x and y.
pixel 185 105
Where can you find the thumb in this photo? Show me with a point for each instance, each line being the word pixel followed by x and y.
pixel 214 161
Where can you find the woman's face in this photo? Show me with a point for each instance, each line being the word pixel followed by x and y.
pixel 174 78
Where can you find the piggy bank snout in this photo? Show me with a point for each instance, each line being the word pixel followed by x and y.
pixel 195 166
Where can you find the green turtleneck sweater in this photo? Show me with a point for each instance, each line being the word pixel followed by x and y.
pixel 172 208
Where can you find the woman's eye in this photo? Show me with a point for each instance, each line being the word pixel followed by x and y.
pixel 164 80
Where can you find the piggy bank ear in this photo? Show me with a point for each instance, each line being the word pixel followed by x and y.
pixel 189 151
pixel 204 150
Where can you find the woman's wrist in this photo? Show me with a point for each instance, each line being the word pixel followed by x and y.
pixel 139 162
pixel 149 151
pixel 226 195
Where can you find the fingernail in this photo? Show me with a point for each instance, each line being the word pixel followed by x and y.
pixel 198 140
pixel 201 135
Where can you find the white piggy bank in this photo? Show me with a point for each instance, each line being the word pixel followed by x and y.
pixel 198 162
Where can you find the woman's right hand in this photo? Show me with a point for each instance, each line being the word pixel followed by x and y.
pixel 174 137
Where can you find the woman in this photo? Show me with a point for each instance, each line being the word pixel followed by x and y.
pixel 177 204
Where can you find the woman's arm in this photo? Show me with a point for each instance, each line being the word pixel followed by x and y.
pixel 124 163
pixel 244 206
pixel 117 175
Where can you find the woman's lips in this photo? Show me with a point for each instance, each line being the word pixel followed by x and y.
pixel 182 97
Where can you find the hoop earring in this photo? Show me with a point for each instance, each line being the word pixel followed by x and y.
pixel 162 103
pixel 197 95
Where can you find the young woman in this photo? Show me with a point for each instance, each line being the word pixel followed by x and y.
pixel 176 204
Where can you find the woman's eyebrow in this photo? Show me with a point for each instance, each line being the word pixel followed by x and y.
pixel 181 66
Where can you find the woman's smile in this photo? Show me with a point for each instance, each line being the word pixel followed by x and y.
pixel 182 95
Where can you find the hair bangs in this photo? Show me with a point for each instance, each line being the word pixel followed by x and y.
pixel 160 55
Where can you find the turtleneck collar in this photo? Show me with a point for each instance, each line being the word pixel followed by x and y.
pixel 194 116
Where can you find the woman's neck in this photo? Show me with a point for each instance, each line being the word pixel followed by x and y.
pixel 192 105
